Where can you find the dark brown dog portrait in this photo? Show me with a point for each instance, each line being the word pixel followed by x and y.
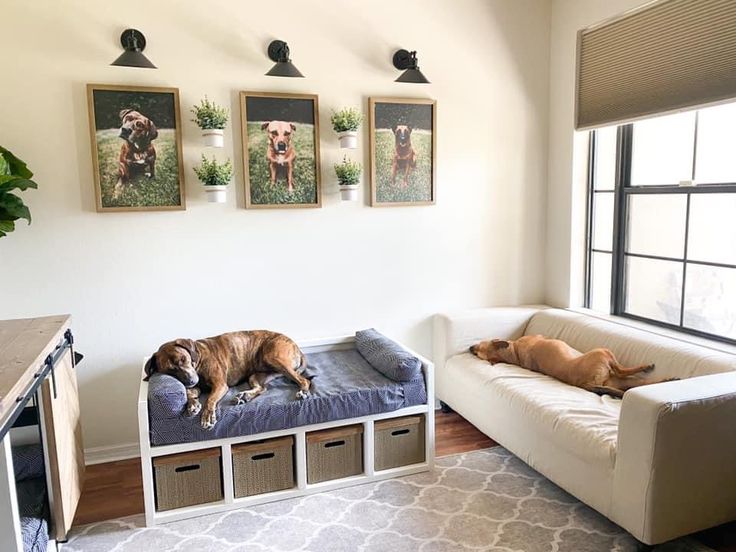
pixel 217 363
pixel 405 158
pixel 137 154
pixel 280 152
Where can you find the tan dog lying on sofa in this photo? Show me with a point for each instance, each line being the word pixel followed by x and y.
pixel 597 370
pixel 224 361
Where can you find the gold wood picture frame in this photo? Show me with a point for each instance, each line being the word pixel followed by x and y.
pixel 135 133
pixel 281 161
pixel 403 151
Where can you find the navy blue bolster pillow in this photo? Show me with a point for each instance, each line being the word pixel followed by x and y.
pixel 388 357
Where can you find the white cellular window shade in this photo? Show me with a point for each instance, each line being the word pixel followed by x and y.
pixel 666 56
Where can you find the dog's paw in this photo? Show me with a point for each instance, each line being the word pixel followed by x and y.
pixel 209 419
pixel 301 394
pixel 243 397
pixel 194 408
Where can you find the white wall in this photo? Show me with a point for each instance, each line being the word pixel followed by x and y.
pixel 568 150
pixel 134 280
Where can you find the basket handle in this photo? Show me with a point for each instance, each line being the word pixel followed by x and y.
pixel 335 444
pixel 263 456
pixel 400 432
pixel 187 468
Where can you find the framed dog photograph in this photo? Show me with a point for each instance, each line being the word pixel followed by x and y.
pixel 136 148
pixel 280 150
pixel 403 151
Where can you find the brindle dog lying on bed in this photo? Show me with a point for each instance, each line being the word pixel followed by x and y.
pixel 227 360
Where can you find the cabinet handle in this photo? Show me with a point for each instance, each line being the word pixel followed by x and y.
pixel 400 432
pixel 186 468
pixel 264 456
pixel 335 444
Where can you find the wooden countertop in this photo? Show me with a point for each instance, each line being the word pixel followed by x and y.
pixel 24 345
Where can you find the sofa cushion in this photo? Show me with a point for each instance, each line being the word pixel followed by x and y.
pixel 388 357
pixel 581 422
pixel 673 357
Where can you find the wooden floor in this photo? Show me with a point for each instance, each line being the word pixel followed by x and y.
pixel 115 489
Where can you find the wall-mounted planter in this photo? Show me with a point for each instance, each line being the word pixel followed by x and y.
pixel 216 194
pixel 214 137
pixel 348 139
pixel 349 192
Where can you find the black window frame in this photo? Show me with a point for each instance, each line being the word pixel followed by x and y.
pixel 622 191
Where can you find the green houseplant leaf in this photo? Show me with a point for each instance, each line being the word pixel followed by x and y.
pixel 16 167
pixel 13 208
pixel 14 175
pixel 5 227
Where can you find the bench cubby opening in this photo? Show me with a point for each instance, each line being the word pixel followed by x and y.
pixel 263 466
pixel 188 479
pixel 334 453
pixel 399 442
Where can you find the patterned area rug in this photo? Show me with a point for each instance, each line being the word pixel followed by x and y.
pixel 485 500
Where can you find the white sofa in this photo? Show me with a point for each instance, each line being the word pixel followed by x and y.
pixel 661 463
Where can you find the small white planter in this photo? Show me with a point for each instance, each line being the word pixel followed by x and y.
pixel 213 137
pixel 349 192
pixel 348 139
pixel 216 194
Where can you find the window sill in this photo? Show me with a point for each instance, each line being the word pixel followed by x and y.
pixel 657 330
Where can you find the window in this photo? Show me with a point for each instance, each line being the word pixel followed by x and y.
pixel 662 221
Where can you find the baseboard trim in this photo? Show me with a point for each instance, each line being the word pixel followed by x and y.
pixel 100 455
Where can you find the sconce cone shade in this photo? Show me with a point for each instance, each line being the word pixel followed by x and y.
pixel 413 75
pixel 278 51
pixel 134 43
pixel 407 61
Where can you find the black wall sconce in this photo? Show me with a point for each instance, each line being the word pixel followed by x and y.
pixel 134 43
pixel 278 51
pixel 407 61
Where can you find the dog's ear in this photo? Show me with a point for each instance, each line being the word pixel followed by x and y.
pixel 190 346
pixel 152 130
pixel 410 128
pixel 150 367
pixel 293 127
pixel 395 128
pixel 124 112
pixel 265 124
pixel 500 344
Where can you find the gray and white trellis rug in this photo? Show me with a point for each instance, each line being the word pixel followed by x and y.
pixel 484 500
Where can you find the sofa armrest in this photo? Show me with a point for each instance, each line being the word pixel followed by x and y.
pixel 454 333
pixel 675 467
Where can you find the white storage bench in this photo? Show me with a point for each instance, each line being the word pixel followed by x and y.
pixel 190 472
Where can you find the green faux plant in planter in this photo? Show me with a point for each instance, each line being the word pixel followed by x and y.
pixel 346 123
pixel 348 175
pixel 215 177
pixel 212 119
pixel 14 175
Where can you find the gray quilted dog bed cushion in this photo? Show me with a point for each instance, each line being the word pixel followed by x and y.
pixel 344 385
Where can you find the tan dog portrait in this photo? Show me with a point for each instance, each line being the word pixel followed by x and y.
pixel 280 152
pixel 597 371
pixel 405 158
pixel 137 154
pixel 218 363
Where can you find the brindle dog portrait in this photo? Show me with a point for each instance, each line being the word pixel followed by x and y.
pixel 217 363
